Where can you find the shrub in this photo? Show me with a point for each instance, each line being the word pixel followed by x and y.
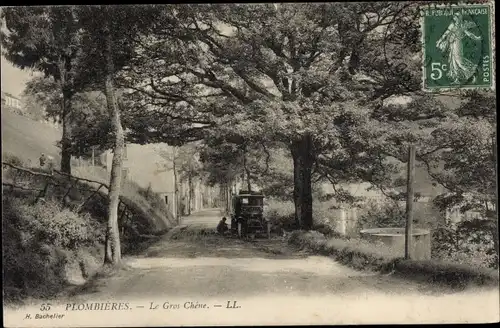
pixel 379 214
pixel 364 255
pixel 357 253
pixel 281 214
pixel 324 213
pixel 39 241
pixel 12 159
pixel 53 225
pixel 452 274
pixel 468 242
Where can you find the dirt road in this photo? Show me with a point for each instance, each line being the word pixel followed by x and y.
pixel 206 218
pixel 271 284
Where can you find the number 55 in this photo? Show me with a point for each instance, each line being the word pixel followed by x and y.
pixel 437 70
pixel 45 307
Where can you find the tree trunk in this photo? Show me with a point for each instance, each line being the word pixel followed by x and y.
pixel 246 171
pixel 190 193
pixel 227 196
pixel 116 166
pixel 66 121
pixel 176 193
pixel 303 160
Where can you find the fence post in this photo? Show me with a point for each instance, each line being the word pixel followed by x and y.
pixel 409 202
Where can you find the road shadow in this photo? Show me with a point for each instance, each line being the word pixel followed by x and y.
pixel 214 245
pixel 246 277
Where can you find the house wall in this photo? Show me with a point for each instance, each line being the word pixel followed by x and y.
pixel 11 101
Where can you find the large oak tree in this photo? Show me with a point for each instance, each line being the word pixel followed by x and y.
pixel 307 76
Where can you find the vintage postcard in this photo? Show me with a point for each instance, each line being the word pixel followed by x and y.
pixel 249 164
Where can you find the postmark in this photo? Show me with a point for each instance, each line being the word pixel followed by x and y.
pixel 457 47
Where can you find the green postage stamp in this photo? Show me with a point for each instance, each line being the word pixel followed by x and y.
pixel 457 46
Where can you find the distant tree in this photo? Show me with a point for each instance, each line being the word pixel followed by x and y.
pixel 46 39
pixel 45 91
pixel 90 123
pixel 92 127
pixel 33 108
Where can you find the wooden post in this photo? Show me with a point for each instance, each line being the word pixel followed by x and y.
pixel 409 202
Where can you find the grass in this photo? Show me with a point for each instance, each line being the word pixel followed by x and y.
pixel 362 255
pixel 27 138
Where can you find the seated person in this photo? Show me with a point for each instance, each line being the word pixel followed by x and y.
pixel 222 226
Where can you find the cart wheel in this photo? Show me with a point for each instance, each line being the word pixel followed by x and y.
pixel 268 230
pixel 240 229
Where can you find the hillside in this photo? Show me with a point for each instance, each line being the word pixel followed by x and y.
pixel 27 138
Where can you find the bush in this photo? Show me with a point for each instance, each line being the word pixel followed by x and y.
pixel 468 242
pixel 364 255
pixel 324 213
pixel 452 274
pixel 49 223
pixel 12 159
pixel 379 214
pixel 356 253
pixel 281 214
pixel 39 241
pixel 35 250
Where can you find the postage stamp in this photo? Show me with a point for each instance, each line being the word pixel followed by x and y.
pixel 457 46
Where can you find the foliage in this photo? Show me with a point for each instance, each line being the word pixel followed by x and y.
pixel 363 255
pixel 52 225
pixel 356 253
pixel 39 37
pixel 37 243
pixel 12 159
pixel 280 214
pixel 184 159
pixel 91 125
pixel 46 39
pixel 379 214
pixel 89 118
pixel 283 74
pixel 32 108
pixel 468 242
pixel 461 155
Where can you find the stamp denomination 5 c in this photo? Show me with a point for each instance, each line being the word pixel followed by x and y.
pixel 457 46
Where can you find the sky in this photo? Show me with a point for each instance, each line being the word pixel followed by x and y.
pixel 13 78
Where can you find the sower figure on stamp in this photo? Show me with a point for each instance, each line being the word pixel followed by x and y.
pixel 452 41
